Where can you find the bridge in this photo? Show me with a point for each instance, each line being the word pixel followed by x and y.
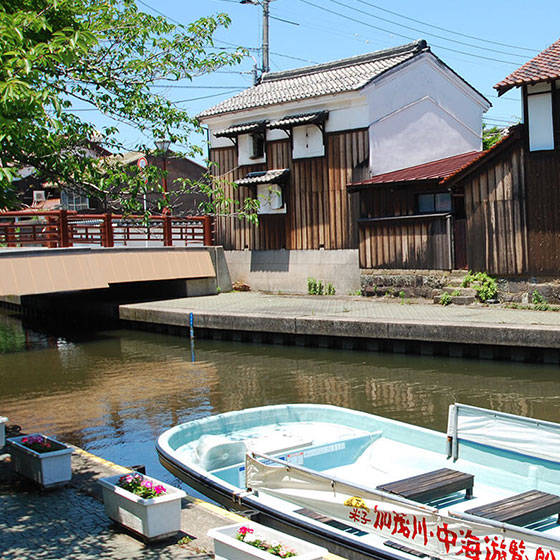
pixel 61 228
pixel 53 252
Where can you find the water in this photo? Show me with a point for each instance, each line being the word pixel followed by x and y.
pixel 113 392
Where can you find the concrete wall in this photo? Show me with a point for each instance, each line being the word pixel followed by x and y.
pixel 288 271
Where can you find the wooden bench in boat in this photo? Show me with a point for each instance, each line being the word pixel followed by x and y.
pixel 521 509
pixel 432 485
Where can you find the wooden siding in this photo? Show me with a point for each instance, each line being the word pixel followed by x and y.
pixel 418 242
pixel 396 237
pixel 319 213
pixel 543 211
pixel 495 212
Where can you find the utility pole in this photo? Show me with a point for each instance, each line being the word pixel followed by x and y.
pixel 265 44
pixel 265 25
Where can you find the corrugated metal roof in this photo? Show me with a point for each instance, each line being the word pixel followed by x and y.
pixel 298 120
pixel 349 74
pixel 434 170
pixel 271 176
pixel 545 66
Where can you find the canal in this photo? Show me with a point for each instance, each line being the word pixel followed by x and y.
pixel 113 392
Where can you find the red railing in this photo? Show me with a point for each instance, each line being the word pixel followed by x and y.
pixel 66 229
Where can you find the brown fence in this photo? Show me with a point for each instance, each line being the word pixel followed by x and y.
pixel 408 242
pixel 67 229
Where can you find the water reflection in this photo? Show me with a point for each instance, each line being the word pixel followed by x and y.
pixel 114 392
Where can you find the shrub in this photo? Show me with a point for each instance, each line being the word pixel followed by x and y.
pixel 485 286
pixel 445 299
pixel 537 298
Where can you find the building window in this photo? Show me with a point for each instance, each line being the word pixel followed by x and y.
pixel 70 200
pixel 539 107
pixel 257 140
pixel 434 202
pixel 251 148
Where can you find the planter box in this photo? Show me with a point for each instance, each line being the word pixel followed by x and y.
pixel 50 469
pixel 3 422
pixel 152 519
pixel 227 547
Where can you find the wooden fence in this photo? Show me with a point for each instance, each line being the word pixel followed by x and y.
pixel 407 242
pixel 67 229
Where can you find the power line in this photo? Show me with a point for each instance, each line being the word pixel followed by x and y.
pixel 407 36
pixel 197 87
pixel 207 96
pixel 446 30
pixel 421 31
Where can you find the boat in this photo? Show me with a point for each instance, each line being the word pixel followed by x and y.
pixel 366 486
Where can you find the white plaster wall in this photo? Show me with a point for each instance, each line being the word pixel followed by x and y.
pixel 288 271
pixel 421 112
pixel 417 134
pixel 346 112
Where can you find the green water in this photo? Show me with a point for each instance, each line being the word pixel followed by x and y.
pixel 114 392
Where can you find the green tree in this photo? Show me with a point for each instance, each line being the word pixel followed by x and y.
pixel 107 55
pixel 490 136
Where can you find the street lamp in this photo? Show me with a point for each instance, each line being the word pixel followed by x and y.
pixel 162 144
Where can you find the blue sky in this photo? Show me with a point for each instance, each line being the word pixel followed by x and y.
pixel 483 41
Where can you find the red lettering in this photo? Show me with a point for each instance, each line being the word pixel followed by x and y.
pixel 446 536
pixel 382 519
pixel 419 528
pixel 470 545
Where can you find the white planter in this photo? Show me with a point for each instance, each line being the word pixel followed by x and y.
pixel 152 519
pixel 228 547
pixel 50 469
pixel 3 422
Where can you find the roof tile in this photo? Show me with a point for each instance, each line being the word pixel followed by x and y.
pixel 545 66
pixel 349 74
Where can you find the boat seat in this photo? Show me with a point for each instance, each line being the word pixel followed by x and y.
pixel 521 509
pixel 432 485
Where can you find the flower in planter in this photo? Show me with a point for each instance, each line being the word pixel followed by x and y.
pixel 140 486
pixel 274 548
pixel 38 443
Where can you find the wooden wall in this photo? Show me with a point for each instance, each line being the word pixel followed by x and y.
pixel 391 236
pixel 495 212
pixel 319 214
pixel 543 212
pixel 415 243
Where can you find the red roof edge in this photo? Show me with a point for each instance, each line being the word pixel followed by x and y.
pixel 514 134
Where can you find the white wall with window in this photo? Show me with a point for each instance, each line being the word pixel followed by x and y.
pixel 251 148
pixel 271 199
pixel 540 119
pixel 308 142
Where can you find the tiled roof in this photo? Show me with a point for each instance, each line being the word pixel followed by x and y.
pixel 272 176
pixel 434 170
pixel 298 120
pixel 245 128
pixel 349 74
pixel 545 66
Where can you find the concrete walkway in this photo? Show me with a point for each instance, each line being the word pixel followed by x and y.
pixel 70 523
pixel 354 317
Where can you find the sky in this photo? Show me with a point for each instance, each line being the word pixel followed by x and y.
pixel 482 40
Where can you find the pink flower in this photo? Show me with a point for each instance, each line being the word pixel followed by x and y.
pixel 244 530
pixel 159 489
pixel 147 484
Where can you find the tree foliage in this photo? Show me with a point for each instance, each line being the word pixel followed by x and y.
pixel 490 136
pixel 59 54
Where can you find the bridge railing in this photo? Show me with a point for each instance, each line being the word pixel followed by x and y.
pixel 61 228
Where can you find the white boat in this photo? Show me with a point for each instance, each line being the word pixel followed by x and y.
pixel 362 485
